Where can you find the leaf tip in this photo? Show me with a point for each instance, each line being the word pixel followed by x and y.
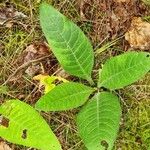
pixel 38 106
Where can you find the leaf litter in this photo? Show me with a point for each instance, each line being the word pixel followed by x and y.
pixel 138 34
pixel 8 14
pixel 4 146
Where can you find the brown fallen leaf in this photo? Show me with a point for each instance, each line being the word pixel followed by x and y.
pixel 7 14
pixel 138 34
pixel 122 1
pixel 4 146
pixel 34 51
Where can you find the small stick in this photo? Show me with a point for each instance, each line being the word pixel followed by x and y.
pixel 22 67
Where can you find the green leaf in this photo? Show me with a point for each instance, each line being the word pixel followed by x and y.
pixel 64 97
pixel 98 121
pixel 124 70
pixel 26 127
pixel 69 44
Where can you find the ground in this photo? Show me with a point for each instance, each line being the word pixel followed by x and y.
pixel 102 21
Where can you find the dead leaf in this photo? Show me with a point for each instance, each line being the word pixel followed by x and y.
pixel 9 14
pixel 138 34
pixel 48 81
pixel 43 48
pixel 9 24
pixel 3 18
pixel 35 51
pixel 122 1
pixel 18 14
pixel 4 146
pixel 30 53
pixel 33 69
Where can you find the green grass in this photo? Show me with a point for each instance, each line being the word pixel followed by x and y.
pixel 135 125
pixel 147 2
pixel 134 133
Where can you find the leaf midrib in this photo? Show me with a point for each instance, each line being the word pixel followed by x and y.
pixel 86 75
pixel 76 59
pixel 74 94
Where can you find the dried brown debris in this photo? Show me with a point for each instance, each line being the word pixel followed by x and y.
pixel 4 146
pixel 8 14
pixel 138 34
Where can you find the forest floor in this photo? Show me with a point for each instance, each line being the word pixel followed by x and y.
pixel 105 22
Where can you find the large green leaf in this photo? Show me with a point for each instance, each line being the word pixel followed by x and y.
pixel 124 69
pixel 26 127
pixel 69 44
pixel 64 97
pixel 98 121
